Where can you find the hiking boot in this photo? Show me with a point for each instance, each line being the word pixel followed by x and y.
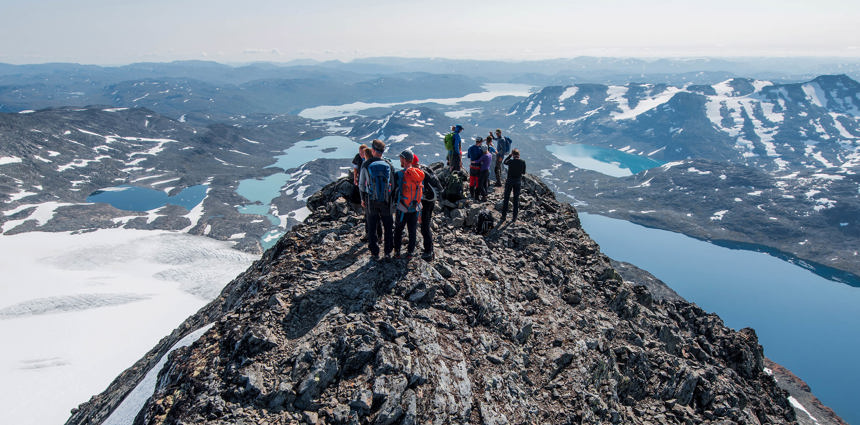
pixel 498 184
pixel 374 258
pixel 428 256
pixel 363 239
pixel 396 255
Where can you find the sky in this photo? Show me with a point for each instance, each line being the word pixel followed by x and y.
pixel 117 32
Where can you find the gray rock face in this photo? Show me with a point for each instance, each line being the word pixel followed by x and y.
pixel 527 324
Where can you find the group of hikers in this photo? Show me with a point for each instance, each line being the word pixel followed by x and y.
pixel 397 199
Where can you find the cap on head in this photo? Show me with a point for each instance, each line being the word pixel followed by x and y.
pixel 407 156
pixel 378 145
pixel 458 128
pixel 485 149
pixel 479 139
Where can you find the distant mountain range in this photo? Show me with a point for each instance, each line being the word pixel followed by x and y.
pixel 750 161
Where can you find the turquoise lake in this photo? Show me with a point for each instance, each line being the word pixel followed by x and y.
pixel 261 192
pixel 134 198
pixel 607 161
pixel 805 322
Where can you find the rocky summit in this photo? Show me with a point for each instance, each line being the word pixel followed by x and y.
pixel 528 323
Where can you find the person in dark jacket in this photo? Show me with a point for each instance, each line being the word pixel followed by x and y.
pixel 374 182
pixel 474 154
pixel 503 146
pixel 456 153
pixel 432 191
pixel 485 162
pixel 516 169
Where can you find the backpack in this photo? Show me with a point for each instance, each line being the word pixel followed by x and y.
pixel 379 184
pixel 453 190
pixel 410 190
pixel 449 141
pixel 485 222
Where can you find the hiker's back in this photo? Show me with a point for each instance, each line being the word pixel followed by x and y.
pixel 379 180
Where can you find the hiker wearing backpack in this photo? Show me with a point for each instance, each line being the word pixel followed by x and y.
pixel 503 146
pixel 409 187
pixel 456 154
pixel 449 146
pixel 377 175
pixel 432 191
pixel 484 162
pixel 516 169
pixel 474 154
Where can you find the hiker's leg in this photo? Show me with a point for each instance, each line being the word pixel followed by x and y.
pixel 426 217
pixel 517 187
pixel 412 227
pixel 387 224
pixel 372 223
pixel 398 231
pixel 506 197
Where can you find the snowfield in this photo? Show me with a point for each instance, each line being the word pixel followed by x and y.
pixel 76 310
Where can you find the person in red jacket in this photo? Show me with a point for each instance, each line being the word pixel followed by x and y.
pixel 408 187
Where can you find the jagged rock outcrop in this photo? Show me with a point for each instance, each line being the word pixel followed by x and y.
pixel 527 324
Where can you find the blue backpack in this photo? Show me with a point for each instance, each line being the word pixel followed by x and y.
pixel 379 181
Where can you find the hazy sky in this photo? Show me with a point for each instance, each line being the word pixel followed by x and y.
pixel 234 31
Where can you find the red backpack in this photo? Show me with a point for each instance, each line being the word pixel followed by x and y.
pixel 411 190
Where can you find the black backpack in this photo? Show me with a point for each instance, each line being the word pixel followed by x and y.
pixel 485 222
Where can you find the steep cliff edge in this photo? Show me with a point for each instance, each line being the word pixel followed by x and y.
pixel 527 324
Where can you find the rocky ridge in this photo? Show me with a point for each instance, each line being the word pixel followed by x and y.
pixel 543 331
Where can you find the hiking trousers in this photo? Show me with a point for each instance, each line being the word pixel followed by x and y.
pixel 497 169
pixel 426 219
pixel 410 221
pixel 484 183
pixel 512 187
pixel 379 214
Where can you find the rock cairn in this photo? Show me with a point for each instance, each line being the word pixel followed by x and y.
pixel 526 324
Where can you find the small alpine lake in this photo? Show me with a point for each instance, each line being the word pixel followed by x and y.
pixel 135 198
pixel 611 162
pixel 261 192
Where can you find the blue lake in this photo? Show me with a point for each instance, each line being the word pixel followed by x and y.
pixel 611 162
pixel 261 192
pixel 134 198
pixel 805 322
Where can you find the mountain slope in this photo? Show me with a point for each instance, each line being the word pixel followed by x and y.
pixel 543 330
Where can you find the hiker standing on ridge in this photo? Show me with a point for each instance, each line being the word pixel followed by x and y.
pixel 516 169
pixel 432 191
pixel 495 154
pixel 474 154
pixel 456 153
pixel 503 146
pixel 408 188
pixel 485 162
pixel 375 180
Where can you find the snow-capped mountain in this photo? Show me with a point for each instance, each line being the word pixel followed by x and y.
pixel 779 127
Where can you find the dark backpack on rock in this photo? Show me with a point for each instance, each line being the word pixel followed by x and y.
pixel 485 222
pixel 453 188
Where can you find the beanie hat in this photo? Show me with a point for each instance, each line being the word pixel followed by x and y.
pixel 458 128
pixel 408 156
pixel 414 159
pixel 484 149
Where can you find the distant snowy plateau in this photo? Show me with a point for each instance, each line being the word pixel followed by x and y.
pixel 745 161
